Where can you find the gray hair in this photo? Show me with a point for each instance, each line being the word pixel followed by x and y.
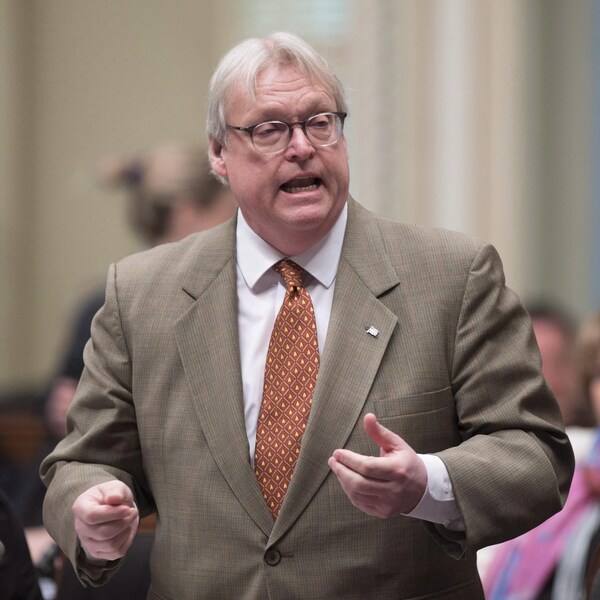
pixel 244 62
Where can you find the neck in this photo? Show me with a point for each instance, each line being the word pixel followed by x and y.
pixel 291 247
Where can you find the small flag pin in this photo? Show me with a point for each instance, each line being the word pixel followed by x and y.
pixel 372 331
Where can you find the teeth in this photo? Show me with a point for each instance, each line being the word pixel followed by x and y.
pixel 296 189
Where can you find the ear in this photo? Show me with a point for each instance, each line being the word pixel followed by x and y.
pixel 217 161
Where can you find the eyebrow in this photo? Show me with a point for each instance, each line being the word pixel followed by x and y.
pixel 277 115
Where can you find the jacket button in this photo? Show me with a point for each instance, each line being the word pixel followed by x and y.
pixel 272 557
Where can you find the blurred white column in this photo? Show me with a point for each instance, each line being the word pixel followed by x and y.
pixel 439 129
pixel 376 130
pixel 511 163
pixel 454 79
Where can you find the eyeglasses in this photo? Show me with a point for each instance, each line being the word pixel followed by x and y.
pixel 273 137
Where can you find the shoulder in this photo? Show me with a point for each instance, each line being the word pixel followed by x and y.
pixel 204 251
pixel 409 244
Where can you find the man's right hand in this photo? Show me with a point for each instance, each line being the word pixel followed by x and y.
pixel 106 520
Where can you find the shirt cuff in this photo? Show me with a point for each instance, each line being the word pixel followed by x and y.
pixel 438 504
pixel 93 571
pixel 96 562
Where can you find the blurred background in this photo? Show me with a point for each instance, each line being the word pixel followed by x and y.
pixel 477 115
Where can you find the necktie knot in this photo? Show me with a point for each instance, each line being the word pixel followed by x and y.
pixel 290 272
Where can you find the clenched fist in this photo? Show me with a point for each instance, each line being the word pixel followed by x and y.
pixel 106 520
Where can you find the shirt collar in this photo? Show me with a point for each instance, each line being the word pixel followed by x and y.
pixel 255 257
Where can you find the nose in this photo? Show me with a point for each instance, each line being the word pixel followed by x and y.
pixel 300 146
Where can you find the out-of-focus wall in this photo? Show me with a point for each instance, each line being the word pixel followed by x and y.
pixel 9 163
pixel 80 79
pixel 477 115
pixel 565 194
pixel 470 114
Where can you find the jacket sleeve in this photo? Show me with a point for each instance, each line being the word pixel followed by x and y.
pixel 102 442
pixel 514 465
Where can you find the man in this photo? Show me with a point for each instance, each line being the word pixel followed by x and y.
pixel 428 433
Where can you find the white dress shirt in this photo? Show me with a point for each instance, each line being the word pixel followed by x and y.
pixel 260 295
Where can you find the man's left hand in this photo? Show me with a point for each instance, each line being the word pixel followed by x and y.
pixel 385 486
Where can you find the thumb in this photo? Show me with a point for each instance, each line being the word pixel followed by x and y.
pixel 116 493
pixel 387 440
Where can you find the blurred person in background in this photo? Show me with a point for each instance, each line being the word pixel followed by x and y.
pixel 555 332
pixel 17 576
pixel 553 561
pixel 170 194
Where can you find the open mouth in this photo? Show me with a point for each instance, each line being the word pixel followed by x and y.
pixel 302 184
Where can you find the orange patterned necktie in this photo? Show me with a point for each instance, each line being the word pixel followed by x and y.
pixel 290 377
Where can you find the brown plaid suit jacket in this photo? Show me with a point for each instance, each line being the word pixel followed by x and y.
pixel 454 370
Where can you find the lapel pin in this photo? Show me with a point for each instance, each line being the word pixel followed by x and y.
pixel 372 331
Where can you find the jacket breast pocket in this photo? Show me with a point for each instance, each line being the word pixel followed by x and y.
pixel 426 421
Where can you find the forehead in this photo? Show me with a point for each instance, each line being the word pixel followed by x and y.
pixel 282 91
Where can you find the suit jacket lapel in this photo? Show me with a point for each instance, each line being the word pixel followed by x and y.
pixel 350 360
pixel 207 338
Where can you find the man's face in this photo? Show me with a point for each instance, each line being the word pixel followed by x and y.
pixel 291 199
pixel 557 365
